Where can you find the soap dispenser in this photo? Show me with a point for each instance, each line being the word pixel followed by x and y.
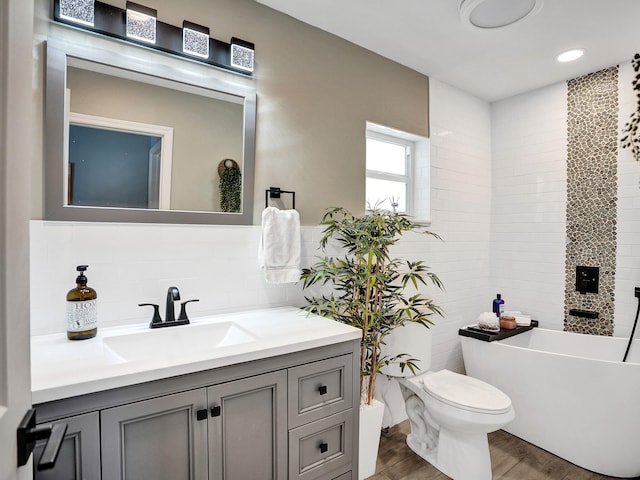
pixel 82 309
pixel 498 305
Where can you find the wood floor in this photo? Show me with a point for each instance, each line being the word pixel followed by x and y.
pixel 511 459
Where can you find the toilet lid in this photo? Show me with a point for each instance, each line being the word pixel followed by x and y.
pixel 465 392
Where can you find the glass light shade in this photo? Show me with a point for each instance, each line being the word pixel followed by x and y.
pixel 242 54
pixel 79 11
pixel 141 22
pixel 195 39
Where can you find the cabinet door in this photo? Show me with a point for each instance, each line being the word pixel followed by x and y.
pixel 248 428
pixel 79 457
pixel 160 438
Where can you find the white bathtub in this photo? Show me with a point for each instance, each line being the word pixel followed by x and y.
pixel 572 394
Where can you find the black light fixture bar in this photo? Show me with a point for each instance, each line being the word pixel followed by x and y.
pixel 111 21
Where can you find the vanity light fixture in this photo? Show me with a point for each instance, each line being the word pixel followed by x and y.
pixel 570 55
pixel 242 54
pixel 195 39
pixel 78 11
pixel 141 22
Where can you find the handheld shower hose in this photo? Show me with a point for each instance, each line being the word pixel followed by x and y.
pixel 635 322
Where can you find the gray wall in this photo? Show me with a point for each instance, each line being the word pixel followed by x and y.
pixel 315 93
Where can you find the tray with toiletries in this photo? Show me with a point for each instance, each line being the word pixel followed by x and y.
pixel 478 333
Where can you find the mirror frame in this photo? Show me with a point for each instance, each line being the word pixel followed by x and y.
pixel 59 55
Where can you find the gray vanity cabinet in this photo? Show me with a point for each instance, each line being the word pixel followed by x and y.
pixel 79 457
pixel 290 417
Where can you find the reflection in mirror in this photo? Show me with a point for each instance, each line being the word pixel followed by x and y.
pixel 114 163
pixel 137 146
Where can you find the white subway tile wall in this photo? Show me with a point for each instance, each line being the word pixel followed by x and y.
pixel 528 214
pixel 628 251
pixel 460 126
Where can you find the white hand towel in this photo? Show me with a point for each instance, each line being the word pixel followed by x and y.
pixel 279 252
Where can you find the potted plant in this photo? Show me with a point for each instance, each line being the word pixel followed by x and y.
pixel 230 186
pixel 370 290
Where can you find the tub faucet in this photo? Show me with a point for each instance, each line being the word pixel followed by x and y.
pixel 172 294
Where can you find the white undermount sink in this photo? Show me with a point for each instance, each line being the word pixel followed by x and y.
pixel 177 343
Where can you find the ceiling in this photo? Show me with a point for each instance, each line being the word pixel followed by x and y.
pixel 429 37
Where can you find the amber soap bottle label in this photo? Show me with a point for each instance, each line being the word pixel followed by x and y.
pixel 82 309
pixel 82 315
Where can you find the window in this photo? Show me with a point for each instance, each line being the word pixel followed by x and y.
pixel 397 176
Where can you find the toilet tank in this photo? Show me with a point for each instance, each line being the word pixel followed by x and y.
pixel 413 339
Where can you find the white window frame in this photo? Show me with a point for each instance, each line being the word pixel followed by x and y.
pixel 417 177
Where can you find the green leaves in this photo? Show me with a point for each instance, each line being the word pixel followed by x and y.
pixel 368 286
pixel 630 135
pixel 230 189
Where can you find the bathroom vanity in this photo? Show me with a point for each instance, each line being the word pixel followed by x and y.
pixel 275 396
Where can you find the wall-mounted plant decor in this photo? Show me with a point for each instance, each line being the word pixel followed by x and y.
pixel 630 132
pixel 230 185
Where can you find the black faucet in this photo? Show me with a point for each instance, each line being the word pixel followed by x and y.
pixel 172 294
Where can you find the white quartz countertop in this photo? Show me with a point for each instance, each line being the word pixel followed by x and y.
pixel 121 356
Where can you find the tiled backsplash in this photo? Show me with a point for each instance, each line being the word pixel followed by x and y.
pixel 136 263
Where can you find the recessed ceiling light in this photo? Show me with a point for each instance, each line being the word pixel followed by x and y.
pixel 489 14
pixel 570 55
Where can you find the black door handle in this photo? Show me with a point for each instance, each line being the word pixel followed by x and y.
pixel 28 434
pixel 52 447
pixel 324 447
pixel 322 389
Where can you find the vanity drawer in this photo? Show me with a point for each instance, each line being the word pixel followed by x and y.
pixel 319 389
pixel 344 476
pixel 321 447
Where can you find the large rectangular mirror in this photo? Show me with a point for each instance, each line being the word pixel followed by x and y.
pixel 131 141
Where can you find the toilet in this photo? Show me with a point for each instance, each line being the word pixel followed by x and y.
pixel 450 414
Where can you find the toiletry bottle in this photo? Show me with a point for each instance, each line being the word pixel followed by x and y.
pixel 82 312
pixel 498 305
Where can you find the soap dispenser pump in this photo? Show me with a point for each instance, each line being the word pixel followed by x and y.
pixel 82 309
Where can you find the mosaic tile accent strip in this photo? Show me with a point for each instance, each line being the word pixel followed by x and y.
pixel 592 124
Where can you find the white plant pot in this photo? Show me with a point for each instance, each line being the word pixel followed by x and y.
pixel 369 438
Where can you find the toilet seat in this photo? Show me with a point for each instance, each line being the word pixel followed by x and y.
pixel 465 392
